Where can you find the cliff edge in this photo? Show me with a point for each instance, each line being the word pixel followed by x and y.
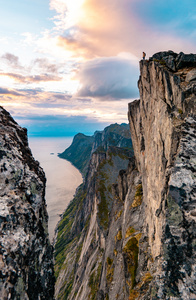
pixel 163 129
pixel 26 256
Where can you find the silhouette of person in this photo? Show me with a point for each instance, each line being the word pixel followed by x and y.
pixel 144 55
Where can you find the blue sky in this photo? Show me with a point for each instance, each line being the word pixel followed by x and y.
pixel 72 66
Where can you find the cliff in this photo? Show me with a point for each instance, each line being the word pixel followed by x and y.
pixel 83 230
pixel 26 256
pixel 131 234
pixel 79 152
pixel 163 128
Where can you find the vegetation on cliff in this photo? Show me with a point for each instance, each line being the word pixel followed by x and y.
pixel 77 236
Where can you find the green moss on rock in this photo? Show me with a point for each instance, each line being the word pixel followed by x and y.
pixel 138 196
pixel 109 270
pixel 103 212
pixel 94 282
pixel 131 250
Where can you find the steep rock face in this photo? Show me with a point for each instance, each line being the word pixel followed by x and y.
pixel 132 236
pixel 26 258
pixel 113 135
pixel 84 250
pixel 163 129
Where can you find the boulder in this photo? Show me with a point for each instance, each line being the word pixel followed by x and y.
pixel 185 60
pixel 191 75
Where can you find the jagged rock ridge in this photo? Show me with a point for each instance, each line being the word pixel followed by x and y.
pixel 145 246
pixel 26 256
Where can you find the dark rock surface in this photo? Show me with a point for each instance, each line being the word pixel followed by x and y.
pixel 26 256
pixel 175 61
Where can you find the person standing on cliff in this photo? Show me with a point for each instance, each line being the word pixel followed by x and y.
pixel 144 55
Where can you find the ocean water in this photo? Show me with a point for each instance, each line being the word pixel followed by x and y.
pixel 62 177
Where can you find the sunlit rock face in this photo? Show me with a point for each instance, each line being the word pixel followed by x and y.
pixel 163 129
pixel 131 234
pixel 26 258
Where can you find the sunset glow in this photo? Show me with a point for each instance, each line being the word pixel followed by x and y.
pixel 80 58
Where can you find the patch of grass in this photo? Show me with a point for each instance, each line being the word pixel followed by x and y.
pixel 180 111
pixel 132 249
pixel 138 196
pixel 141 288
pixel 115 252
pixel 130 231
pixel 109 261
pixel 147 277
pixel 133 295
pixel 79 250
pixel 66 238
pixel 118 237
pixel 160 61
pixel 138 236
pixel 94 282
pixel 110 270
pixel 103 212
pixel 118 215
pixel 66 288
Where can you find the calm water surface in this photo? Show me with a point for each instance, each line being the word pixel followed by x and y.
pixel 62 177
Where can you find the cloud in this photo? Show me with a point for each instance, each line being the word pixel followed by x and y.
pixel 12 60
pixel 109 78
pixel 36 102
pixel 44 65
pixel 33 78
pixel 106 28
pixel 5 91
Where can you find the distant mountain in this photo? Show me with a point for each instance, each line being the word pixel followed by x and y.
pixel 79 152
pixel 83 146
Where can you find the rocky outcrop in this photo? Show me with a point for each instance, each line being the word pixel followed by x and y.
pixel 26 256
pixel 163 128
pixel 131 234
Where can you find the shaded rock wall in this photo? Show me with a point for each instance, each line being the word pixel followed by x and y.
pixel 86 241
pixel 26 256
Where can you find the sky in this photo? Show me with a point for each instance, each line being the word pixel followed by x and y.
pixel 69 66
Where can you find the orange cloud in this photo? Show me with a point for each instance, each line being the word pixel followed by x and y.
pixel 106 28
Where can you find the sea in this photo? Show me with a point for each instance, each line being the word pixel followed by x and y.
pixel 62 177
